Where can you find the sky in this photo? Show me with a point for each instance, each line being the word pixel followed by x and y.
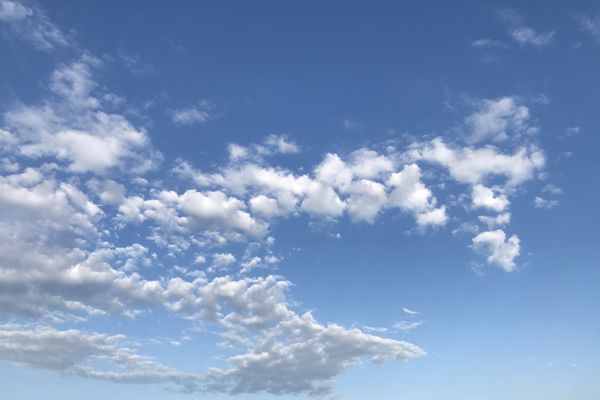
pixel 299 200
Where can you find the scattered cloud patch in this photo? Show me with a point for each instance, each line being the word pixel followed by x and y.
pixel 589 25
pixel 200 113
pixel 499 250
pixel 33 25
pixel 541 202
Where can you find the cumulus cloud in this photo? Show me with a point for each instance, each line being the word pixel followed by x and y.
pixel 499 119
pixel 89 229
pixel 475 165
pixel 484 197
pixel 222 260
pixel 411 194
pixel 72 127
pixel 499 250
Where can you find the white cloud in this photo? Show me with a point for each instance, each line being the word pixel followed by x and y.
pixel 215 210
pixel 410 194
pixel 366 200
pixel 475 165
pixel 495 221
pixel 223 260
pixel 408 311
pixel 541 202
pixel 407 325
pixel 74 129
pixel 499 119
pixel 271 145
pixel 322 200
pixel 200 113
pixel 281 144
pixel 33 25
pixel 484 197
pixel 527 36
pixel 499 250
pixel 266 206
pixel 300 355
pixel 90 355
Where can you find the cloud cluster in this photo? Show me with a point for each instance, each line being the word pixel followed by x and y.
pixel 73 128
pixel 91 228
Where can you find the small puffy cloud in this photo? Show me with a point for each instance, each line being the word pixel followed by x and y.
pixel 484 197
pixel 495 221
pixel 266 206
pixel 433 217
pixel 499 250
pixel 271 145
pixel 552 189
pixel 250 264
pixel 222 260
pixel 281 144
pixel 541 202
pixel 200 113
pixel 499 119
pixel 237 152
pixel 410 194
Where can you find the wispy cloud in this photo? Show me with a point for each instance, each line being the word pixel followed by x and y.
pixel 524 35
pixel 33 25
pixel 589 24
pixel 202 112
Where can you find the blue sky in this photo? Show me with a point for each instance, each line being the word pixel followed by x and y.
pixel 286 200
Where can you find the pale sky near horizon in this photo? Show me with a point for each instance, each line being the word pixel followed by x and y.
pixel 299 200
